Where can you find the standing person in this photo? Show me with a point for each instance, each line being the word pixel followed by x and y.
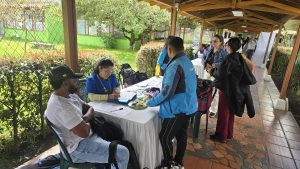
pixel 71 119
pixel 214 58
pixel 178 101
pixel 250 48
pixel 233 93
pixel 163 59
pixel 245 45
pixel 103 84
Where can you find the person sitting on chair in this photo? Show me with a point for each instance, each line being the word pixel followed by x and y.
pixel 103 84
pixel 65 111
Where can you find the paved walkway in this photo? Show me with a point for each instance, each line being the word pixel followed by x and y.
pixel 269 140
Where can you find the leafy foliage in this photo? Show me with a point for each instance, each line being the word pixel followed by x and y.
pixel 134 18
pixel 148 54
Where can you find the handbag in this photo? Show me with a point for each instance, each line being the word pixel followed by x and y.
pixel 248 77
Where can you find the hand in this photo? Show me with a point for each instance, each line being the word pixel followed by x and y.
pixel 208 66
pixel 113 96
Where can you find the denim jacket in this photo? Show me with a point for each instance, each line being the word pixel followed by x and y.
pixel 220 55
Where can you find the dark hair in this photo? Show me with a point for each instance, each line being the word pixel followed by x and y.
pixel 221 39
pixel 166 42
pixel 103 63
pixel 56 84
pixel 234 43
pixel 176 44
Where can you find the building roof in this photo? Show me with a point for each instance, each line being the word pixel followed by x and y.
pixel 258 15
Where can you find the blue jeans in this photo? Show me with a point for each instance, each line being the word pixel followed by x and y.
pixel 95 150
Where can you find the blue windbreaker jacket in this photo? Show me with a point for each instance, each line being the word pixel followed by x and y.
pixel 178 93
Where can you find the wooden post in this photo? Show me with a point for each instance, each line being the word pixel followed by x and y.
pixel 70 32
pixel 290 67
pixel 265 57
pixel 274 50
pixel 201 33
pixel 173 21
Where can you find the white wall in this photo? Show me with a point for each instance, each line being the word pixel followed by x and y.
pixel 261 48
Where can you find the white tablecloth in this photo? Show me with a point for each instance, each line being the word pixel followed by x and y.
pixel 199 68
pixel 141 127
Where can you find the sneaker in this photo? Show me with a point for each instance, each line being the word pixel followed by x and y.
pixel 176 165
pixel 212 115
pixel 218 138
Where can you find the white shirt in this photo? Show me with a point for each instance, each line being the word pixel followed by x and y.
pixel 65 114
pixel 251 45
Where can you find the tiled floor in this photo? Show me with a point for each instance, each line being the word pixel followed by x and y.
pixel 269 140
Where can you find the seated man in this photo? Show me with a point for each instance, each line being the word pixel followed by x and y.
pixel 65 111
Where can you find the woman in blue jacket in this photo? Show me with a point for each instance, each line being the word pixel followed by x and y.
pixel 103 84
pixel 163 58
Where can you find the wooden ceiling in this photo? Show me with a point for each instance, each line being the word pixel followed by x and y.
pixel 258 15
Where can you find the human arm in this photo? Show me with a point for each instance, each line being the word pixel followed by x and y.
pixel 170 83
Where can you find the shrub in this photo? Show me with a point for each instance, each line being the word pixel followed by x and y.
pixel 147 57
pixel 148 54
pixel 108 40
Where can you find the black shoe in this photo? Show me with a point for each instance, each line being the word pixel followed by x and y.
pixel 176 165
pixel 216 137
pixel 212 115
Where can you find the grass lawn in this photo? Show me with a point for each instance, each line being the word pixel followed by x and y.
pixel 125 56
pixel 15 49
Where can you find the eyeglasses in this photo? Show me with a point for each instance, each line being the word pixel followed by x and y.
pixel 216 41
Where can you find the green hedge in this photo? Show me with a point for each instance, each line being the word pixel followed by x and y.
pixel 148 54
pixel 278 72
pixel 24 92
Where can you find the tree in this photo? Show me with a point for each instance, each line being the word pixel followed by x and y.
pixel 135 19
pixel 185 22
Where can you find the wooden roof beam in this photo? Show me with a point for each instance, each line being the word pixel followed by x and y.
pixel 249 13
pixel 282 6
pixel 268 9
pixel 206 7
pixel 248 3
pixel 193 3
pixel 258 20
pixel 219 16
pixel 224 18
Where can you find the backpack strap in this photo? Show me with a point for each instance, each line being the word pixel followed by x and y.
pixel 215 92
pixel 112 153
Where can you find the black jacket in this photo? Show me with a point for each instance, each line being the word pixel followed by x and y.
pixel 228 78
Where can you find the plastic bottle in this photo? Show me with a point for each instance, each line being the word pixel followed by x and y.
pixel 157 70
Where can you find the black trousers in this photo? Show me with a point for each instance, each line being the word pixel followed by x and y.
pixel 174 127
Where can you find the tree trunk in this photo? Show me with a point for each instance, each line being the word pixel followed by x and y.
pixel 183 36
pixel 179 31
pixel 132 41
pixel 112 30
pixel 40 103
pixel 14 112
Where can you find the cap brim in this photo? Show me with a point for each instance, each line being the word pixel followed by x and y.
pixel 78 75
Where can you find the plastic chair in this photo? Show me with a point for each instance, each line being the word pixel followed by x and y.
pixel 82 90
pixel 205 96
pixel 65 158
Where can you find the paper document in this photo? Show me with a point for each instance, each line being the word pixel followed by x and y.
pixel 109 108
pixel 126 96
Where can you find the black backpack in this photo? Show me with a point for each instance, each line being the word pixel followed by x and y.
pixel 133 160
pixel 106 129
pixel 127 74
pixel 130 77
pixel 111 132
